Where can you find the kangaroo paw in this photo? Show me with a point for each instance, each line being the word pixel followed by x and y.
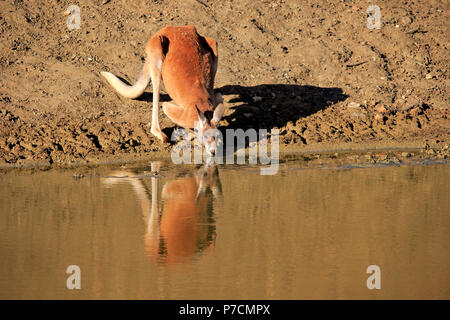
pixel 160 135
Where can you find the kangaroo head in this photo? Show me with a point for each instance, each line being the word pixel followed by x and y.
pixel 206 128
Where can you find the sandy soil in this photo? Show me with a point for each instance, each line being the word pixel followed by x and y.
pixel 313 70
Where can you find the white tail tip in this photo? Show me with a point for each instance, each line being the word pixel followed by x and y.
pixel 123 89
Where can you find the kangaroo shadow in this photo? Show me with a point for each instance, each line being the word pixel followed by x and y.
pixel 274 105
pixel 148 96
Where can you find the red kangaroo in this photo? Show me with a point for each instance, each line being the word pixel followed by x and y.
pixel 187 63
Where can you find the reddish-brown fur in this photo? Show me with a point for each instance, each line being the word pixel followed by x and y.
pixel 188 70
pixel 187 63
pixel 182 224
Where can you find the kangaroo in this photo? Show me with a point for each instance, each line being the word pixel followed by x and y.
pixel 183 228
pixel 187 63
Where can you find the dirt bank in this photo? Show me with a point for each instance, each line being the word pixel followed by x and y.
pixel 315 71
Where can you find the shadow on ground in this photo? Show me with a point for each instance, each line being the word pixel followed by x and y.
pixel 274 105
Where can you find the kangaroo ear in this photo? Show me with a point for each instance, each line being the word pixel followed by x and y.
pixel 201 117
pixel 218 113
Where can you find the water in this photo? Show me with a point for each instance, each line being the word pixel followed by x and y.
pixel 225 233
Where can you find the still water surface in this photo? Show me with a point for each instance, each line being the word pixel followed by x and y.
pixel 159 231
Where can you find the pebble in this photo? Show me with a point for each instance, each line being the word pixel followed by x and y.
pixel 406 20
pixel 358 115
pixel 406 154
pixel 395 160
pixel 257 99
pixel 353 105
pixel 415 110
pixel 381 109
pixel 378 116
pixel 429 76
pixel 26 145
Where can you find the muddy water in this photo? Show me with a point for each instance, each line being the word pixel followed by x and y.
pixel 165 232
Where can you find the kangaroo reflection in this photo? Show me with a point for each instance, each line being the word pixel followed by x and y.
pixel 185 225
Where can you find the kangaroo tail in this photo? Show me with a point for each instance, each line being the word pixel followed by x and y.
pixel 126 90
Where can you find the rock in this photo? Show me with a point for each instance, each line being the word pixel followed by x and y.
pixel 353 105
pixel 378 116
pixel 429 76
pixel 26 145
pixel 395 160
pixel 257 99
pixel 415 111
pixel 358 115
pixel 406 154
pixel 11 141
pixel 382 156
pixel 406 20
pixel 381 109
pixel 133 143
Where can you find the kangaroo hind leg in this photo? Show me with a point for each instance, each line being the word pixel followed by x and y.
pixel 155 49
pixel 177 114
